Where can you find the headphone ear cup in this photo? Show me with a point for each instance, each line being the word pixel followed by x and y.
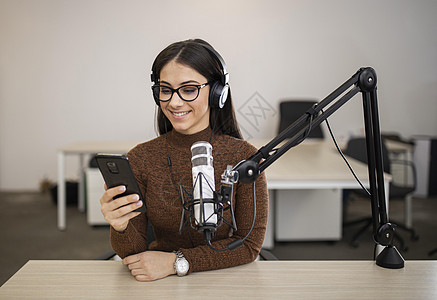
pixel 218 94
pixel 156 101
pixel 223 96
pixel 155 97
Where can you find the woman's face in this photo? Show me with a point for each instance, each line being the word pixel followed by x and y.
pixel 186 117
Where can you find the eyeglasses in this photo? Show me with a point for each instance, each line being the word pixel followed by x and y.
pixel 188 92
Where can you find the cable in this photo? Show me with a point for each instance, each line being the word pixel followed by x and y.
pixel 173 181
pixel 345 159
pixel 213 127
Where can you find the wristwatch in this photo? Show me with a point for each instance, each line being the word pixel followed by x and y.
pixel 181 265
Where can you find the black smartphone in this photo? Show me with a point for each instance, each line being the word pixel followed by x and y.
pixel 116 170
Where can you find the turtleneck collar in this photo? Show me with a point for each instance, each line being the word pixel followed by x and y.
pixel 179 140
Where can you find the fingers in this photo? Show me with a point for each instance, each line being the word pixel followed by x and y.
pixel 124 205
pixel 139 267
pixel 111 193
pixel 109 203
pixel 150 265
pixel 144 278
pixel 118 212
pixel 131 259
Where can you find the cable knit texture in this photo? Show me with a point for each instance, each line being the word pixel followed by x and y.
pixel 149 162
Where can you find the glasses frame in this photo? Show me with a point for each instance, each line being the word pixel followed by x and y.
pixel 198 86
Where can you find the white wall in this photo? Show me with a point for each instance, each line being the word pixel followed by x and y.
pixel 79 70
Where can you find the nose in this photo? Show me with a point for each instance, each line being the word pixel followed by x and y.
pixel 175 100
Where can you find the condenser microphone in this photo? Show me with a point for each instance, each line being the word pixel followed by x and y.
pixel 204 201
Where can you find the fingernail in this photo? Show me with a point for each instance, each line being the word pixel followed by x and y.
pixel 122 188
pixel 139 203
pixel 135 197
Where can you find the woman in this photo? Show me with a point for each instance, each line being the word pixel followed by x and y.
pixel 194 104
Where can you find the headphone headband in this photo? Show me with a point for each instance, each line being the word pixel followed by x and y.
pixel 220 60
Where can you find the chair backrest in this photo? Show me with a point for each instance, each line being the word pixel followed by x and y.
pixel 356 148
pixel 291 110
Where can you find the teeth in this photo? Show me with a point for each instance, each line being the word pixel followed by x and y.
pixel 180 114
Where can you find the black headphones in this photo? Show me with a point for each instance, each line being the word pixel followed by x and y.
pixel 218 92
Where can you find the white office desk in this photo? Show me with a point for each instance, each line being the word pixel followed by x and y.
pixel 305 191
pixel 81 149
pixel 258 280
pixel 398 147
pixel 305 184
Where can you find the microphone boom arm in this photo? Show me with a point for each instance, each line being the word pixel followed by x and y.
pixel 364 81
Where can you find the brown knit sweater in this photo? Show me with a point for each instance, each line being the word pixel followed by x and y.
pixel 149 162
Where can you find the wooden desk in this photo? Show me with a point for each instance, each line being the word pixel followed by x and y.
pixel 260 280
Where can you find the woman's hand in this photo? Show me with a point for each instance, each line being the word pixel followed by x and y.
pixel 118 212
pixel 151 265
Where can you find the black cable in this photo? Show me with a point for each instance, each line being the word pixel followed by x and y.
pixel 345 159
pixel 173 181
pixel 213 127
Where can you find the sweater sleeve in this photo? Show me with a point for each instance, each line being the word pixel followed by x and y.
pixel 131 241
pixel 202 258
pixel 134 238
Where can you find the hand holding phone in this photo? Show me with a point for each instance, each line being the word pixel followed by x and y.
pixel 116 171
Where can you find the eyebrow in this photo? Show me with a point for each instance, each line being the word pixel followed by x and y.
pixel 182 83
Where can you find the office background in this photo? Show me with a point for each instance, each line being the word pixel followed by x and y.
pixel 79 70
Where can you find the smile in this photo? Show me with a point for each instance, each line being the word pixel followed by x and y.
pixel 180 114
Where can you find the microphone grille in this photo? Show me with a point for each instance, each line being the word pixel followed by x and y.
pixel 201 147
pixel 201 154
pixel 200 161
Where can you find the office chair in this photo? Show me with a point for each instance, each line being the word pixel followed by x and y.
pixel 356 148
pixel 291 110
pixel 110 254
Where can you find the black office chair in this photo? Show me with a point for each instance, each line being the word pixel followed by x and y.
pixel 291 110
pixel 356 148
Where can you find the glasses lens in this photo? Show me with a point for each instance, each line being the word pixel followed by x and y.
pixel 164 93
pixel 189 92
pixel 186 92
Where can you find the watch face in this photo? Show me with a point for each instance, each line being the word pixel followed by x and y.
pixel 182 266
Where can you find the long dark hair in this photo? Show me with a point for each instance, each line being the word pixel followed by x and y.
pixel 192 54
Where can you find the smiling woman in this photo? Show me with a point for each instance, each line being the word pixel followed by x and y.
pixel 186 116
pixel 191 90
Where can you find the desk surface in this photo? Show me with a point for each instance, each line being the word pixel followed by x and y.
pixel 261 279
pixel 315 161
pixel 99 146
pixel 395 146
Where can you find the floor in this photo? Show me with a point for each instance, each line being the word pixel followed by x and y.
pixel 28 230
